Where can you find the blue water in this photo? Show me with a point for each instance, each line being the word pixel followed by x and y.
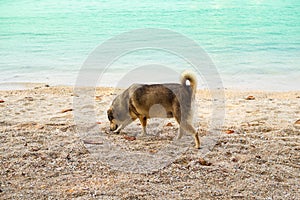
pixel 254 44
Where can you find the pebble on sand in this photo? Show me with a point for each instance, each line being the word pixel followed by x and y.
pixel 204 162
pixel 29 98
pixel 92 142
pixel 2 101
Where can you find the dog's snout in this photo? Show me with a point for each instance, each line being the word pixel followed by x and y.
pixel 113 127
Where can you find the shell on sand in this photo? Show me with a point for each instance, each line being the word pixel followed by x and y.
pixel 250 98
pixel 98 98
pixel 229 131
pixel 297 122
pixel 129 138
pixel 169 124
pixel 66 110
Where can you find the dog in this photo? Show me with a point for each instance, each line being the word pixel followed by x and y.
pixel 143 101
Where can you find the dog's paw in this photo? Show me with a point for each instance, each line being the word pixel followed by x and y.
pixel 143 134
pixel 178 137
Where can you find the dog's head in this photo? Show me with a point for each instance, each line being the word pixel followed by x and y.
pixel 112 117
pixel 119 113
pixel 118 119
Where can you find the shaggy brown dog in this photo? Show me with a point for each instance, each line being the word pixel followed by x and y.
pixel 141 101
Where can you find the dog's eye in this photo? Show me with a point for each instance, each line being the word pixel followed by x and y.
pixel 110 117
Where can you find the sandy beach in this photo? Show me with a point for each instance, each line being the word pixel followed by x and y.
pixel 255 155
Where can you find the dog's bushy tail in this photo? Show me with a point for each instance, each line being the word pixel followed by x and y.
pixel 191 77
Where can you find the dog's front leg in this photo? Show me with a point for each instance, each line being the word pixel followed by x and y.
pixel 143 120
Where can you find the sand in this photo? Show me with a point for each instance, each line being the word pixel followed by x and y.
pixel 54 145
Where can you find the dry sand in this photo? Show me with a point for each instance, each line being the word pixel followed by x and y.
pixel 255 156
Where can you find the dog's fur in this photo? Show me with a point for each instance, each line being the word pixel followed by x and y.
pixel 142 102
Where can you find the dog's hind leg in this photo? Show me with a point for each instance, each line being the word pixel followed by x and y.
pixel 143 120
pixel 180 133
pixel 185 125
pixel 189 128
pixel 177 115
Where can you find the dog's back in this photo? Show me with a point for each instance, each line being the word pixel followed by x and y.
pixel 165 100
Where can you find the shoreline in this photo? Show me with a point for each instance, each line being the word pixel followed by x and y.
pixel 15 86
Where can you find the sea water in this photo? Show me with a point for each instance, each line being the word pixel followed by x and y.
pixel 254 44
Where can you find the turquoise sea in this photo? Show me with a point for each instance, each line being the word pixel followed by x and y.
pixel 254 44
